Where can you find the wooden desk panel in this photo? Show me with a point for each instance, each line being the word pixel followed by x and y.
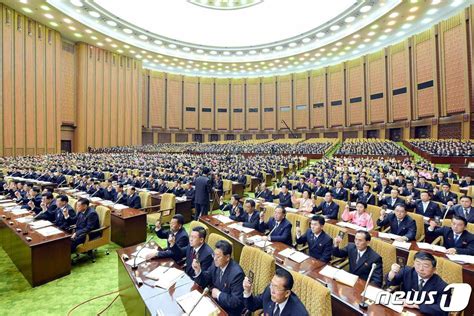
pixel 128 227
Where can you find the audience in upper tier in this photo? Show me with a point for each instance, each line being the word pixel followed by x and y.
pixel 374 147
pixel 445 147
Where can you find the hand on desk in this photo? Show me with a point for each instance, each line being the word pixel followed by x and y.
pixel 451 251
pixel 404 239
pixel 151 255
pixel 215 293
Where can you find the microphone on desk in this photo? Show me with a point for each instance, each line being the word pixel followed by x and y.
pixel 61 183
pixel 205 292
pixel 363 304
pixel 265 243
pixel 446 212
pixel 94 193
pixel 135 266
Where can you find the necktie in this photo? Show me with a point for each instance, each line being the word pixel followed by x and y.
pixel 420 285
pixel 220 275
pixel 358 256
pixel 466 213
pixel 194 254
pixel 277 310
pixel 456 237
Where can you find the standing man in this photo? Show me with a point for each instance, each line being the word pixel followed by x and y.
pixel 202 192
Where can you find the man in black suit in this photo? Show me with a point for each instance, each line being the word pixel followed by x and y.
pixel 445 195
pixel 424 206
pixel 278 225
pixel 410 191
pixel 284 197
pixel 190 193
pixel 234 208
pixel 121 197
pixel 35 200
pixel 197 250
pixel 392 200
pixel 400 223
pixel 361 257
pixel 464 208
pixel 365 196
pixel 87 220
pixel 47 209
pixel 176 237
pixel 421 277
pixel 339 192
pixel 318 189
pixel 383 187
pixel 110 193
pixel 301 186
pixel 457 240
pixel 277 298
pixel 65 214
pixel 225 276
pixel 250 218
pixel 202 185
pixel 466 182
pixel 328 208
pixel 319 243
pixel 264 193
pixel 133 199
pixel 177 189
pixel 422 184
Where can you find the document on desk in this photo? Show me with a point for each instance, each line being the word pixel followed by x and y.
pixel 294 255
pixel 169 278
pixel 241 228
pixel 461 258
pixel 107 203
pixel 49 231
pixel 291 209
pixel 40 224
pixel 8 204
pixel 120 206
pixel 339 275
pixel 388 235
pixel 402 244
pixel 350 225
pixel 132 261
pixel 26 219
pixel 144 252
pixel 372 292
pixel 223 219
pixel 205 307
pixel 19 211
pixel 95 199
pixel 427 246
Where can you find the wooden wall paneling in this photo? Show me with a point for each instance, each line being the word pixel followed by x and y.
pixel 454 65
pixel 106 99
pixel 174 102
pixel 336 101
pixel 318 98
pixel 285 102
pixel 157 99
pixel 8 83
pixel 57 90
pixel 399 100
pixel 269 103
pixel 68 82
pixel 114 90
pixel 128 110
pixel 376 87
pixel 206 103
pixel 253 112
pixel 222 103
pixel 99 98
pixel 145 98
pixel 121 100
pixel 81 86
pixel 191 103
pixel 301 101
pixel 355 96
pixel 237 105
pixel 30 84
pixel 40 90
pixel 2 21
pixel 19 84
pixel 50 93
pixel 90 96
pixel 136 104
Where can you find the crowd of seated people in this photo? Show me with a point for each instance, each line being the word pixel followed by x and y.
pixel 445 147
pixel 372 147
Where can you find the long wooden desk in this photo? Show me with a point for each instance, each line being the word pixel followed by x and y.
pixel 40 260
pixel 146 299
pixel 344 299
pixel 182 207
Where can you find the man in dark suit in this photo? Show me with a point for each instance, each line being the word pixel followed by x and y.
pixel 47 210
pixel 264 193
pixel 339 192
pixel 250 217
pixel 178 190
pixel 190 193
pixel 383 187
pixel 400 223
pixel 456 239
pixel 301 186
pixel 318 189
pixel 234 208
pixel 279 226
pixel 445 195
pixel 176 237
pixel 424 206
pixel 421 277
pixel 277 298
pixel 466 182
pixel 35 200
pixel 160 186
pixel 422 184
pixel 133 199
pixel 96 191
pixel 110 193
pixel 410 191
pixel 121 197
pixel 202 186
pixel 65 214
pixel 392 200
pixel 361 257
pixel 464 208
pixel 196 250
pixel 365 196
pixel 225 276
pixel 328 208
pixel 87 220
pixel 319 243
pixel 284 197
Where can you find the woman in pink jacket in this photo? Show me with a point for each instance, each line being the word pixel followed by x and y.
pixel 358 217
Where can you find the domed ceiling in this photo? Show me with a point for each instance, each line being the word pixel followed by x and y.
pixel 238 38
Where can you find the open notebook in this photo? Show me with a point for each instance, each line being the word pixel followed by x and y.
pixel 339 275
pixel 204 308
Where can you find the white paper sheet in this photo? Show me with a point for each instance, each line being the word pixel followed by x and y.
pixel 424 245
pixel 40 224
pixel 120 206
pixel 372 293
pixel 144 252
pixel 461 258
pixel 241 228
pixel 402 244
pixel 205 307
pixel 49 231
pixel 223 219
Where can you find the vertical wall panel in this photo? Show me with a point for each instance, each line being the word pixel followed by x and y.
pixel 301 101
pixel 114 88
pixel 254 112
pixel 237 105
pixel 30 84
pixel 355 91
pixel 157 99
pixel 399 81
pixel 121 100
pixel 50 92
pixel 174 102
pixel 285 106
pixel 99 90
pixel 40 90
pixel 376 83
pixel 57 90
pixel 206 111
pixel 8 82
pixel 269 103
pixel 336 99
pixel 106 99
pixel 146 88
pixel 222 104
pixel 128 109
pixel 318 98
pixel 19 85
pixel 191 103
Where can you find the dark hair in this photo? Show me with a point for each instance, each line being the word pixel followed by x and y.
pixel 318 218
pixel 62 198
pixel 281 207
pixel 284 185
pixel 251 202
pixel 363 203
pixel 460 218
pixel 201 231
pixel 401 205
pixel 466 197
pixel 367 185
pixel 282 273
pixel 49 190
pixel 426 256
pixel 225 247
pixel 236 197
pixel 179 218
pixel 366 234
pixel 309 193
pixel 132 188
pixel 446 183
pixel 48 195
pixel 36 189
pixel 83 201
